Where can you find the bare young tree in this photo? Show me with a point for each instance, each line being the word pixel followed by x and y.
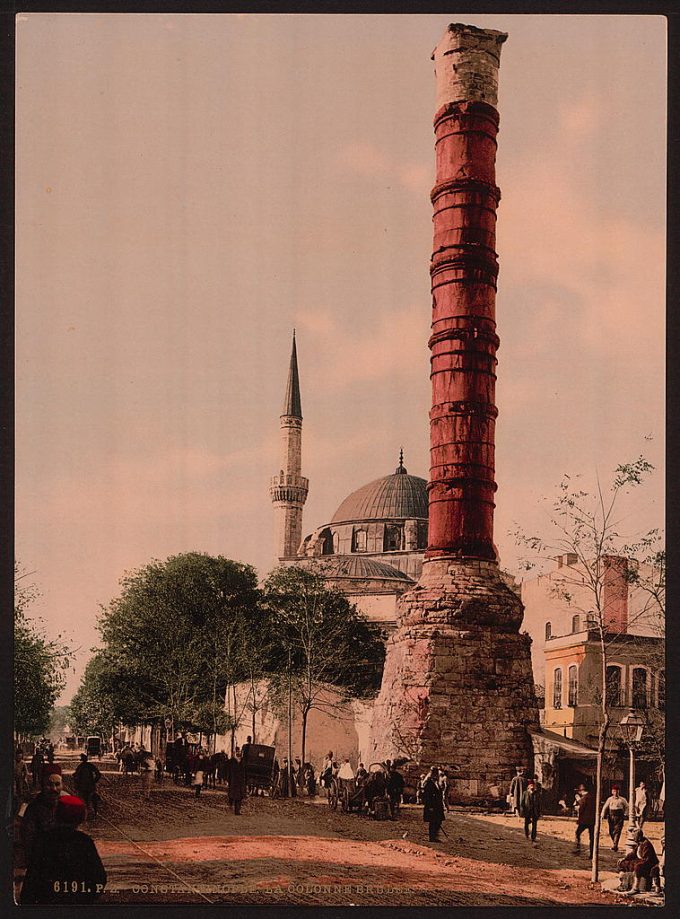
pixel 584 525
pixel 333 653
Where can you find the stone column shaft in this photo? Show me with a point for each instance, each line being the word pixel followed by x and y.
pixel 463 273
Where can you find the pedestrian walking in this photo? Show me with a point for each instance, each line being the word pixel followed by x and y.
pixel 197 781
pixel 146 768
pixel 310 780
pixel 327 772
pixel 395 789
pixel 433 804
pixel 444 785
pixel 362 775
pixel 284 778
pixel 37 762
pixel 66 867
pixel 299 774
pixel 237 781
pixel 40 813
pixel 641 804
pixel 21 789
pixel 615 809
pixel 518 786
pixel 585 818
pixel 531 810
pixel 85 780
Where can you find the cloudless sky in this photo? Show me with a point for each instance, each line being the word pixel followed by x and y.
pixel 191 187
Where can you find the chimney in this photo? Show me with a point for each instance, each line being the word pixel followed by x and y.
pixel 615 593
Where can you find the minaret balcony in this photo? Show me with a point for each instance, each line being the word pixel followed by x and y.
pixel 288 489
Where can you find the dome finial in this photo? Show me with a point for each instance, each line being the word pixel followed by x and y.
pixel 401 469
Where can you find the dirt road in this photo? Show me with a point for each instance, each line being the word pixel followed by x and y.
pixel 176 848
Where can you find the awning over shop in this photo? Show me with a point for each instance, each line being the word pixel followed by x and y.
pixel 572 747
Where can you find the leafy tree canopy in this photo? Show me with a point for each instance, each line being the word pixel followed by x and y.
pixel 171 637
pixel 39 664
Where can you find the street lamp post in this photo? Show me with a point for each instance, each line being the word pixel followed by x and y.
pixel 631 726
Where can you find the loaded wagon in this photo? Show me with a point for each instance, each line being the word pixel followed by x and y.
pixel 258 760
pixel 368 797
pixel 93 746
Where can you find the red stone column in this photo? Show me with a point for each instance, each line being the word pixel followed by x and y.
pixel 463 271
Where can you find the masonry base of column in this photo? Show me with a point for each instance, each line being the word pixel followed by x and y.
pixel 457 689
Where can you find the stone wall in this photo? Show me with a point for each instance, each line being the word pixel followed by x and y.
pixel 457 690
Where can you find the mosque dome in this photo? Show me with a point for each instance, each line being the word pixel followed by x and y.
pixel 396 496
pixel 357 567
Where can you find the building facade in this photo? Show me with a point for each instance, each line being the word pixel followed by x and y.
pixel 372 548
pixel 635 679
pixel 559 604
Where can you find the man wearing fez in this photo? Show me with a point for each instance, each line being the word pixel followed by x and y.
pixel 66 867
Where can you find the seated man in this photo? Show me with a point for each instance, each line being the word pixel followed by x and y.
pixel 643 863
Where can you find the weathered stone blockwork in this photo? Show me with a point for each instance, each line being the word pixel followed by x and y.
pixel 457 688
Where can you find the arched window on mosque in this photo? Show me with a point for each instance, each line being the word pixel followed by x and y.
pixel 359 540
pixel 393 540
pixel 336 543
pixel 327 542
pixel 548 630
pixel 575 623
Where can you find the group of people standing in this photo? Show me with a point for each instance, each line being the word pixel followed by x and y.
pixel 62 863
pixel 289 780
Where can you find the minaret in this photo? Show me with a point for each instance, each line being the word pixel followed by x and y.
pixel 457 686
pixel 289 488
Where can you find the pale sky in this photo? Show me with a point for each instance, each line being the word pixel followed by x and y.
pixel 191 187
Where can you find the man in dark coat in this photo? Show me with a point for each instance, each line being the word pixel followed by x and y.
pixel 518 786
pixel 37 761
pixel 643 862
pixel 531 809
pixel 40 813
pixel 585 818
pixel 395 789
pixel 85 780
pixel 66 867
pixel 237 781
pixel 433 809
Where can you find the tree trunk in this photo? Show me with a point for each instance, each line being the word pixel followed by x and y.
pixel 305 713
pixel 601 743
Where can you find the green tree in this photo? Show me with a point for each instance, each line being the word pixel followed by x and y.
pixel 334 652
pixel 172 636
pixel 107 694
pixel 40 663
pixel 584 524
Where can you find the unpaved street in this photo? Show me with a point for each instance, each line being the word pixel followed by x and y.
pixel 176 848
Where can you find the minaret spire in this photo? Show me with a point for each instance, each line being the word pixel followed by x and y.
pixel 288 489
pixel 292 404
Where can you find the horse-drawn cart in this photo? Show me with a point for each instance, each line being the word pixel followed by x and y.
pixel 259 765
pixel 367 797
